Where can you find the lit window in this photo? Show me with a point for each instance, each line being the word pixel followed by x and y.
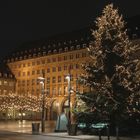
pixel 59 79
pixel 48 70
pixel 48 80
pixel 38 71
pixel 0 82
pixel 43 61
pixel 54 91
pixel 38 62
pixel 33 81
pixel 65 57
pixel 54 59
pixel 28 73
pixel 48 60
pixel 65 67
pixel 59 58
pixel 23 74
pixel 33 72
pixel 71 56
pixel 33 63
pixel 77 66
pixel 53 69
pixel 59 90
pixel 53 79
pixel 23 65
pixel 59 68
pixel 48 91
pixel 77 55
pixel 83 54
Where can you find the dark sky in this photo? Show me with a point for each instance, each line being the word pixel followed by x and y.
pixel 26 20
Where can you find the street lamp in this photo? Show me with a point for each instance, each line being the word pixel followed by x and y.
pixel 43 117
pixel 68 77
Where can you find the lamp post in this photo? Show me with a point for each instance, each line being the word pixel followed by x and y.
pixel 68 77
pixel 43 116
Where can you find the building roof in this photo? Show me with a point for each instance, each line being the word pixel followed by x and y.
pixel 5 72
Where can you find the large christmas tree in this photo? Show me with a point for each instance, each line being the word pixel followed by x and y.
pixel 113 77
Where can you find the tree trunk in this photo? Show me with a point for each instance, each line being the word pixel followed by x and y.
pixel 117 132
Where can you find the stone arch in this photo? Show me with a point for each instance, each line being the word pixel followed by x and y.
pixel 54 110
pixel 65 106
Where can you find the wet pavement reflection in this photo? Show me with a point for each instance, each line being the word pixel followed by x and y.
pixel 25 126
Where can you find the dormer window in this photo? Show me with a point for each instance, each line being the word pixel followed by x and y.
pixel 34 54
pixel 60 50
pixel 39 54
pixel 20 58
pixel 49 52
pixel 84 45
pixel 49 46
pixel 44 53
pixel 66 49
pixel 77 46
pixel 25 56
pixel 72 48
pixel 54 51
pixel 44 47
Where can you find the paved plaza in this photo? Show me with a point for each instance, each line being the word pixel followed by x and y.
pixel 22 130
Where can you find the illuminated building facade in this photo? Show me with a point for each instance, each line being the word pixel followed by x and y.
pixel 56 60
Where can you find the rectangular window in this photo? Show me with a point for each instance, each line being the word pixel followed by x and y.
pixel 38 72
pixel 38 62
pixel 28 64
pixel 54 91
pixel 48 80
pixel 43 61
pixel 11 84
pixel 71 67
pixel 23 74
pixel 48 91
pixel 48 70
pixel 59 90
pixel 59 58
pixel 53 79
pixel 59 79
pixel 71 56
pixel 33 81
pixel 77 55
pixel 65 57
pixel 5 82
pixel 59 68
pixel 83 54
pixel 54 69
pixel 33 72
pixel 54 59
pixel 33 63
pixel 18 73
pixel 65 67
pixel 48 60
pixel 28 73
pixel 77 66
pixel 23 65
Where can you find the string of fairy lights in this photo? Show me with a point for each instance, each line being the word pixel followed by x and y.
pixel 22 103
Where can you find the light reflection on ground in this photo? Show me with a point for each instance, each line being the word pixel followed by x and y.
pixel 24 126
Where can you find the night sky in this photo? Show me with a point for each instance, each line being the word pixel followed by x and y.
pixel 28 20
